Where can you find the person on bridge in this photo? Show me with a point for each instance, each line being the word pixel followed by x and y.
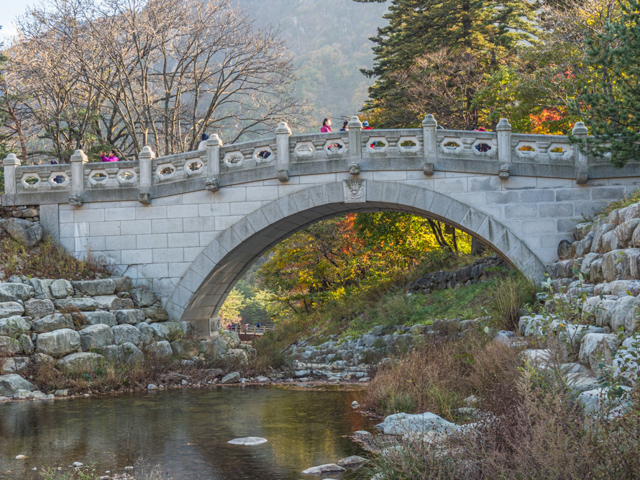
pixel 109 158
pixel 203 144
pixel 345 126
pixel 326 126
pixel 366 126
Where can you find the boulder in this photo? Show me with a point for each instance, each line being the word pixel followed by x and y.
pixel 123 284
pixel 329 468
pixel 100 317
pixel 126 334
pixel 82 304
pixel 592 401
pixel 564 250
pixel 538 358
pixel 23 231
pixel 96 336
pixel 233 377
pixel 10 384
pixel 239 356
pixel 626 363
pixel 41 287
pixel 232 338
pixel 14 364
pixel 38 308
pixel 9 346
pixel 160 349
pixel 143 297
pixel 13 292
pixel 625 314
pixel 598 232
pixel 58 343
pixel 597 348
pixel 155 314
pixel 93 288
pixel 353 461
pixel 124 353
pixel 132 317
pixel 595 273
pixel 184 348
pixel 26 344
pixel 248 441
pixel 585 267
pixel 610 265
pixel 14 326
pixel 168 331
pixel 403 423
pixel 52 322
pixel 81 362
pixel 61 289
pixel 113 302
pixel 9 309
pixel 147 334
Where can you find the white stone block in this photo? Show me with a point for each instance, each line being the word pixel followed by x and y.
pixel 183 240
pixel 137 256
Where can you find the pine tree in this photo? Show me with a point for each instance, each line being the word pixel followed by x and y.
pixel 486 31
pixel 610 106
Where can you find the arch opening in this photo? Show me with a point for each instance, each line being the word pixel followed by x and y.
pixel 203 289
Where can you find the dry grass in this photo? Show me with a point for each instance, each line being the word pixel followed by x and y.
pixel 47 260
pixel 511 293
pixel 437 377
pixel 541 435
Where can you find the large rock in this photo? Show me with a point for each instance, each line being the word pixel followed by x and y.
pixel 81 362
pixel 626 363
pixel 185 348
pixel 82 304
pixel 610 265
pixel 9 346
pixel 329 468
pixel 625 314
pixel 597 348
pixel 233 377
pixel 143 297
pixel 126 334
pixel 147 334
pixel 353 461
pixel 95 337
pixel 239 356
pixel 132 317
pixel 14 326
pixel 9 309
pixel 100 317
pixel 41 287
pixel 168 331
pixel 58 343
pixel 123 284
pixel 92 288
pixel 26 344
pixel 10 384
pixel 23 231
pixel 403 423
pixel 12 292
pixel 125 353
pixel 14 364
pixel 232 338
pixel 38 308
pixel 160 349
pixel 155 314
pixel 113 302
pixel 215 347
pixel 61 288
pixel 52 322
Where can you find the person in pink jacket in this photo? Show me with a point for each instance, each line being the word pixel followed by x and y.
pixel 326 126
pixel 109 158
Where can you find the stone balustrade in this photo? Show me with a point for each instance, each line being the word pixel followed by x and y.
pixel 429 149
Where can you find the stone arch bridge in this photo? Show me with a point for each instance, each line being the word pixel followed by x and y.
pixel 190 225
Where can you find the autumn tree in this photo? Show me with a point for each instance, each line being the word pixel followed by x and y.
pixel 129 73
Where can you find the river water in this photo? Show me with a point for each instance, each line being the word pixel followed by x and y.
pixel 185 432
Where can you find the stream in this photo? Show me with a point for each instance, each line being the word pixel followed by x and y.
pixel 184 432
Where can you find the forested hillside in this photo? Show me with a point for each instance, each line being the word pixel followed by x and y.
pixel 330 43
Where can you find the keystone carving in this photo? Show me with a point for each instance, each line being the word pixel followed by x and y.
pixel 144 198
pixel 212 184
pixel 354 168
pixel 283 175
pixel 355 191
pixel 428 169
pixel 504 172
pixel 75 199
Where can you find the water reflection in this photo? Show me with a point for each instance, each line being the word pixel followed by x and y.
pixel 186 432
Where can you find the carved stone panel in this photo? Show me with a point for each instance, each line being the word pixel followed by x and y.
pixel 355 191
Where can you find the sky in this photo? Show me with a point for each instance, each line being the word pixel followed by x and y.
pixel 9 10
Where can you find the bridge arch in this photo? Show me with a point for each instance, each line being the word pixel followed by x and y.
pixel 203 288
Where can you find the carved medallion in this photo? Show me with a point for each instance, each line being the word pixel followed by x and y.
pixel 355 191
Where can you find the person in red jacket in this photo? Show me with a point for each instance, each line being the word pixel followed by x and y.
pixel 366 126
pixel 326 126
pixel 109 158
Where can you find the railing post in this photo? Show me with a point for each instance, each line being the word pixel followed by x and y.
pixel 430 143
pixel 10 163
pixel 504 147
pixel 145 156
pixel 78 159
pixel 283 132
pixel 213 163
pixel 582 159
pixel 355 137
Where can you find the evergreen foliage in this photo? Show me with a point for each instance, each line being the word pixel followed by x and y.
pixel 611 106
pixel 458 43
